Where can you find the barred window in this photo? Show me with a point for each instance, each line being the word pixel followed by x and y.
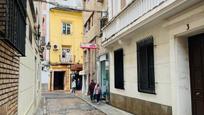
pixel 145 61
pixel 13 24
pixel 119 69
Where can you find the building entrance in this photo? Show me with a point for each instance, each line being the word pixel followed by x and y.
pixel 59 80
pixel 196 57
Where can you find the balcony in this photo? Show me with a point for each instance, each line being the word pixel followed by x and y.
pixel 13 23
pixel 67 60
pixel 135 15
pixel 139 13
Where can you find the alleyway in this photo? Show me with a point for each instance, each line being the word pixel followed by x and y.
pixel 60 103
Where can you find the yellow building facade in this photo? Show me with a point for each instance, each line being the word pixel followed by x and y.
pixel 66 56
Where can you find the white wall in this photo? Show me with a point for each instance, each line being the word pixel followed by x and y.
pixel 172 76
pixel 162 66
pixel 28 82
pixel 177 25
pixel 45 77
pixel 29 78
pixel 182 75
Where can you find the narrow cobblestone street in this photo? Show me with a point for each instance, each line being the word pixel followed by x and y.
pixel 61 103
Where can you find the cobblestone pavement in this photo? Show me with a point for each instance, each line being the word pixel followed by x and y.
pixel 60 103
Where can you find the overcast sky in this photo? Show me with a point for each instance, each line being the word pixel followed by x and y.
pixel 71 3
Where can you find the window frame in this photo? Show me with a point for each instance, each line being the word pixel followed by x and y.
pixel 66 28
pixel 117 84
pixel 146 46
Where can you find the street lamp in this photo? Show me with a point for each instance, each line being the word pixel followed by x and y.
pixel 48 46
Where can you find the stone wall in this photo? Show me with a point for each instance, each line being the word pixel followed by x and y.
pixel 138 106
pixel 9 75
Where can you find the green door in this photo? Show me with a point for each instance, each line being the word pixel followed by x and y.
pixel 104 81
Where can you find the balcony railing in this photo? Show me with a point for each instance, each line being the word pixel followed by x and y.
pixel 136 10
pixel 66 60
pixel 13 23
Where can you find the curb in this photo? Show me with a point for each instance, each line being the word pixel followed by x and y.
pixel 91 104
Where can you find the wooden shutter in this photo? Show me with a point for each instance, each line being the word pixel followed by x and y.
pixel 145 61
pixel 119 70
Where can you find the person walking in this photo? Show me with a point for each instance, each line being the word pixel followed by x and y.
pixel 91 89
pixel 78 84
pixel 73 86
pixel 97 91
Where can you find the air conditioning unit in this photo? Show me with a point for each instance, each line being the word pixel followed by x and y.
pixel 55 47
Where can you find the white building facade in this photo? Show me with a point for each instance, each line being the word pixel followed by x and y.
pixel 154 69
pixel 29 93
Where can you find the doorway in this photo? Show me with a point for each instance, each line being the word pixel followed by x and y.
pixel 196 60
pixel 59 80
pixel 104 80
pixel 78 78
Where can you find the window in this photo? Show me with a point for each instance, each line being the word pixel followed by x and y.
pixel 103 22
pixel 30 34
pixel 92 22
pixel 145 61
pixel 89 23
pixel 66 28
pixel 13 23
pixel 66 55
pixel 65 52
pixel 118 67
pixel 87 26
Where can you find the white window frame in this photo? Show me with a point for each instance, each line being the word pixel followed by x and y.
pixel 67 26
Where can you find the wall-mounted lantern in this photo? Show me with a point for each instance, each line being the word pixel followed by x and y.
pixel 48 46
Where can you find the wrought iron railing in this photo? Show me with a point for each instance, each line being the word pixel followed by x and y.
pixel 13 23
pixel 66 59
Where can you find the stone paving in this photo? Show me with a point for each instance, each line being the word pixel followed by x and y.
pixel 60 103
pixel 107 109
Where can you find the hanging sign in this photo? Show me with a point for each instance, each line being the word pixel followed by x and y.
pixel 88 46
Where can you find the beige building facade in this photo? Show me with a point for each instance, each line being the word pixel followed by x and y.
pixel 153 65
pixel 93 22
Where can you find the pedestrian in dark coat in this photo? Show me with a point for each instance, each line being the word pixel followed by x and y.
pixel 91 89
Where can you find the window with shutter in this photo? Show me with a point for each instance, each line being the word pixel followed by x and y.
pixel 145 61
pixel 119 70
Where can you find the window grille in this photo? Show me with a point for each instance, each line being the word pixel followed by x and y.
pixel 145 62
pixel 118 69
pixel 13 23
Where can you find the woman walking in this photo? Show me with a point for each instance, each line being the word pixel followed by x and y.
pixel 73 86
pixel 97 91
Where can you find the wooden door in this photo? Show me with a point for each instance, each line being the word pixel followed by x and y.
pixel 196 58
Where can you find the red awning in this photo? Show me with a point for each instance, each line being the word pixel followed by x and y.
pixel 88 46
